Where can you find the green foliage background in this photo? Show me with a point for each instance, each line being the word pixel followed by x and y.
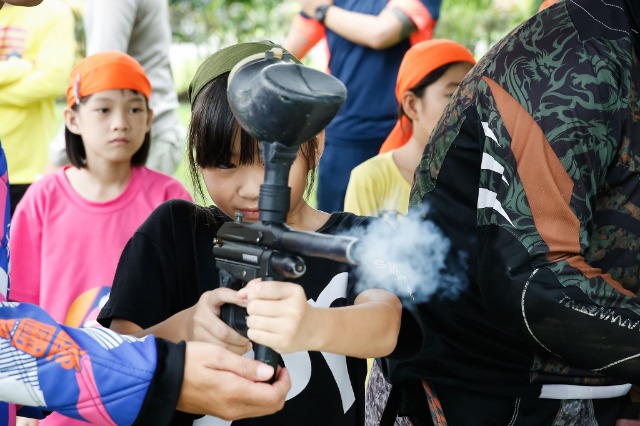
pixel 466 21
pixel 482 22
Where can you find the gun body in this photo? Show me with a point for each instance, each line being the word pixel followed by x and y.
pixel 245 251
pixel 238 264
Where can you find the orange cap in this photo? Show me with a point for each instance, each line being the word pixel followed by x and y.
pixel 419 61
pixel 106 71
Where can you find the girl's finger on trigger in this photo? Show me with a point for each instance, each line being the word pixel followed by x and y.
pixel 223 295
pixel 273 290
pixel 250 289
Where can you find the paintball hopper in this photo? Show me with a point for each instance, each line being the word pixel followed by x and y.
pixel 277 100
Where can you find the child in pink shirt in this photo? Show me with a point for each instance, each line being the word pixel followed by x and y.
pixel 70 228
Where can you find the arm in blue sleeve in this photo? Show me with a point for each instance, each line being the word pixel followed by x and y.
pixel 108 378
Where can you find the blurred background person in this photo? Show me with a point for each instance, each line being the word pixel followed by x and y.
pixel 140 28
pixel 366 41
pixel 429 74
pixel 71 226
pixel 37 48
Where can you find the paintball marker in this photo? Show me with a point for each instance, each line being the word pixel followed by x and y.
pixel 281 104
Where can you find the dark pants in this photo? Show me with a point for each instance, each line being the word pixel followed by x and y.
pixel 15 194
pixel 462 407
pixel 336 163
pixel 440 405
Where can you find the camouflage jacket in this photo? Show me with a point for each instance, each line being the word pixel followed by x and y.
pixel 533 172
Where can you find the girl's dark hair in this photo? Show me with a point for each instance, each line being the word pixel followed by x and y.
pixel 212 131
pixel 428 79
pixel 74 146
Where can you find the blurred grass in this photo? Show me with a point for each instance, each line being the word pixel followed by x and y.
pixel 182 172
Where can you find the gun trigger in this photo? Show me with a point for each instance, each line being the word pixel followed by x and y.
pixel 226 278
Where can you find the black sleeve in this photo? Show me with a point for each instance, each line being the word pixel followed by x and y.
pixel 164 391
pixel 158 273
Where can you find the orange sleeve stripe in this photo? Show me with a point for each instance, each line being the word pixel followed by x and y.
pixel 420 16
pixel 547 185
pixel 310 28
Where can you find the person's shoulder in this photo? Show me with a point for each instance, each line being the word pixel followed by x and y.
pixel 43 193
pixel 155 180
pixel 182 214
pixel 156 177
pixel 373 170
pixel 374 164
pixel 47 185
pixel 48 179
pixel 174 210
pixel 377 160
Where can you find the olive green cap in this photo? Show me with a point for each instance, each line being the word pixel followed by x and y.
pixel 224 60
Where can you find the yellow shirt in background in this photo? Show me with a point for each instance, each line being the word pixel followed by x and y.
pixel 377 187
pixel 37 46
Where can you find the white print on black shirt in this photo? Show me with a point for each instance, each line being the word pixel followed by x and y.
pixel 336 289
pixel 299 363
pixel 600 312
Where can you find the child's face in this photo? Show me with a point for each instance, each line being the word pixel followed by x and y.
pixel 112 124
pixel 431 105
pixel 236 188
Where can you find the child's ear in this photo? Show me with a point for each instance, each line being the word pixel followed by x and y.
pixel 149 119
pixel 71 120
pixel 409 100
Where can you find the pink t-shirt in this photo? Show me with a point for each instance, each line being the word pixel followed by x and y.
pixel 65 249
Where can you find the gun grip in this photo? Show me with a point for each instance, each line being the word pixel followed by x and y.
pixel 268 356
pixel 233 315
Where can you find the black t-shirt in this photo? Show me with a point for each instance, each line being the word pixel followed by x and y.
pixel 169 263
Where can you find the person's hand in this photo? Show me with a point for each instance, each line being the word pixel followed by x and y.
pixel 279 316
pixel 309 6
pixel 206 325
pixel 220 383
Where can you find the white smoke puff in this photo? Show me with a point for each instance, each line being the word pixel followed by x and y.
pixel 408 257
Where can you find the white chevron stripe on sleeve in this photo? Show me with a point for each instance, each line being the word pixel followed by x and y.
pixel 487 200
